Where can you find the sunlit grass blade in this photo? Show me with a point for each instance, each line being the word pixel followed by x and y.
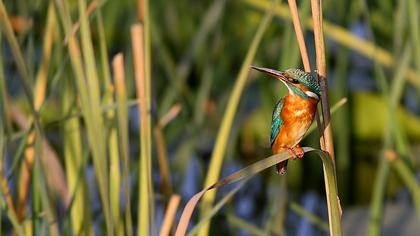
pixel 122 117
pixel 94 119
pixel 223 133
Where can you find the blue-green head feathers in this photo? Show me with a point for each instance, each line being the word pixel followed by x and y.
pixel 308 80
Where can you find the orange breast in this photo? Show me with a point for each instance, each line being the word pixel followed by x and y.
pixel 297 115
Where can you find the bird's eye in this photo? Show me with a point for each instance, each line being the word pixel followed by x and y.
pixel 295 81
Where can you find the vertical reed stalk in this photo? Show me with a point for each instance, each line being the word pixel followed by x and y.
pixel 322 72
pixel 299 35
pixel 112 132
pixel 122 115
pixel 144 18
pixel 73 153
pixel 170 215
pixel 145 199
pixel 334 209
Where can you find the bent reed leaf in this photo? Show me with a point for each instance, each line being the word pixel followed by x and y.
pixel 246 172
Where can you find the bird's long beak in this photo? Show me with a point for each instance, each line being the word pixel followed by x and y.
pixel 275 73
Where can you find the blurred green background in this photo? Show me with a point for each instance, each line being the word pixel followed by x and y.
pixel 73 168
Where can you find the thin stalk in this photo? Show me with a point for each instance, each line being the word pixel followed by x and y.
pixel 145 199
pixel 79 212
pixel 299 35
pixel 322 72
pixel 170 215
pixel 334 211
pixel 122 116
pixel 163 163
pixel 223 134
pixel 376 206
pixel 413 14
pixel 408 177
pixel 145 19
pixel 112 124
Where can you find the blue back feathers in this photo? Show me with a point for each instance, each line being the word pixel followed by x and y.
pixel 276 121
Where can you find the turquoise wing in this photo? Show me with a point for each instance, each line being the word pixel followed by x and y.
pixel 276 121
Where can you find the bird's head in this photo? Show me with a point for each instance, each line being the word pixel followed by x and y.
pixel 297 81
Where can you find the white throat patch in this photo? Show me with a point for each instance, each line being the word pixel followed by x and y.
pixel 312 95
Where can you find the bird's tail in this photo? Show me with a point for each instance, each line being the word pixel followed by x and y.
pixel 281 167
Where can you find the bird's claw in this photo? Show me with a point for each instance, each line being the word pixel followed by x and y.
pixel 299 151
pixel 295 152
pixel 292 153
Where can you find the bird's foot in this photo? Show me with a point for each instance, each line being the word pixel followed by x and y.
pixel 292 153
pixel 299 151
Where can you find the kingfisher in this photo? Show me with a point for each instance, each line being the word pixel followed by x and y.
pixel 294 113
